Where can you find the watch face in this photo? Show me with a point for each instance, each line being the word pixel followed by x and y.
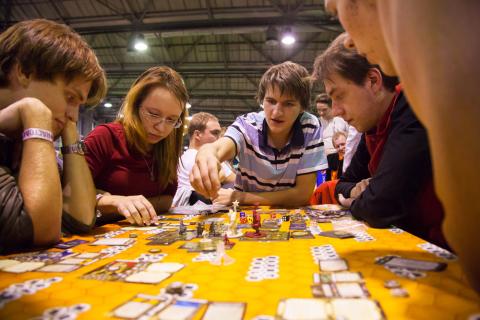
pixel 82 147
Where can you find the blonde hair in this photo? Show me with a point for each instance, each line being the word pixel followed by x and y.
pixel 166 153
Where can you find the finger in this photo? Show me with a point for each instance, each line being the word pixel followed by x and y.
pixel 124 212
pixel 150 210
pixel 196 181
pixel 135 214
pixel 213 171
pixel 142 210
pixel 204 176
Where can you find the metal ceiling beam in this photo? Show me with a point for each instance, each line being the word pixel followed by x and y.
pixel 170 26
pixel 257 48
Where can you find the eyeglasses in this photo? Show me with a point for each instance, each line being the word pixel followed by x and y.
pixel 155 119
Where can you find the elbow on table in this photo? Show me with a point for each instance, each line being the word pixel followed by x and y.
pixel 47 238
pixel 375 218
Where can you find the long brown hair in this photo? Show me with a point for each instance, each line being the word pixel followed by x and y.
pixel 166 153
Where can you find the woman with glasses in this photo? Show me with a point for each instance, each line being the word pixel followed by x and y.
pixel 134 159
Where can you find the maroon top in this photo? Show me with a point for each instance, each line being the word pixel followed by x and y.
pixel 118 169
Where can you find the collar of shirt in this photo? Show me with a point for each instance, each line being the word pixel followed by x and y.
pixel 297 139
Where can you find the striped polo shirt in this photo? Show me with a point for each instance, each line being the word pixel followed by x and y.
pixel 264 168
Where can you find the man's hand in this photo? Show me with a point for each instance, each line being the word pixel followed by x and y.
pixel 205 175
pixel 23 114
pixel 225 197
pixel 136 209
pixel 347 203
pixel 359 188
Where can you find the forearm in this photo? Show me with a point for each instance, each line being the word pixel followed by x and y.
pixel 161 203
pixel 290 197
pixel 78 187
pixel 39 183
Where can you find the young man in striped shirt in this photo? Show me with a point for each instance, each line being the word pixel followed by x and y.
pixel 280 149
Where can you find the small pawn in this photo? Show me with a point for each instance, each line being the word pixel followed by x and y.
pixel 226 241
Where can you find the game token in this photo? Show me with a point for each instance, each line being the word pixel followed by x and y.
pixel 155 250
pixel 391 284
pixel 132 235
pixel 175 288
pixel 399 292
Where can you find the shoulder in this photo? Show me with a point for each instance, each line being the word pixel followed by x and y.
pixel 107 131
pixel 309 123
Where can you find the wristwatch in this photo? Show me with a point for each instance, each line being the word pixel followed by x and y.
pixel 78 147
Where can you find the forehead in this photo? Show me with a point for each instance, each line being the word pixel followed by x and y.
pixel 322 105
pixel 274 91
pixel 213 125
pixel 163 101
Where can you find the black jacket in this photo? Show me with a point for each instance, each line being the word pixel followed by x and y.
pixel 405 167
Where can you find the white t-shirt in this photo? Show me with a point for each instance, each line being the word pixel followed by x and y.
pixel 353 139
pixel 328 129
pixel 184 189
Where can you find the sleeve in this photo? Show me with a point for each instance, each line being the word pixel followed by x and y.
pixel 314 157
pixel 99 149
pixel 16 226
pixel 392 190
pixel 235 133
pixel 357 171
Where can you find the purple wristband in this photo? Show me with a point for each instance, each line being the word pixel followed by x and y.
pixel 37 133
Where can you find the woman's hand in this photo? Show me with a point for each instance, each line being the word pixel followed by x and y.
pixel 136 209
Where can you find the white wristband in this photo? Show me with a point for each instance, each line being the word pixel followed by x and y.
pixel 37 133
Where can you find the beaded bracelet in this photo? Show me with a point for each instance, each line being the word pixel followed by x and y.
pixel 37 133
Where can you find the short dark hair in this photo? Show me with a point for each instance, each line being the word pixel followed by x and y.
pixel 199 122
pixel 323 98
pixel 291 78
pixel 348 63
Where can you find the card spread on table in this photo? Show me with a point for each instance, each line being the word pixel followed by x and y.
pixel 113 242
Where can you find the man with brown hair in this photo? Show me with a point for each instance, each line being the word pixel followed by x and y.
pixel 389 180
pixel 46 72
pixel 279 149
pixel 430 46
pixel 203 128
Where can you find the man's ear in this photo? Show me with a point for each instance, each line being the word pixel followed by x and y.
pixel 21 77
pixel 375 79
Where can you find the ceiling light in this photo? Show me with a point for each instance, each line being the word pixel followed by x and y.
pixel 288 38
pixel 108 105
pixel 137 42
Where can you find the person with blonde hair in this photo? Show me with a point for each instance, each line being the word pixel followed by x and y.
pixel 46 72
pixel 134 159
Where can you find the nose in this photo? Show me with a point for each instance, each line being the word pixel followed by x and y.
pixel 348 42
pixel 72 112
pixel 277 109
pixel 337 110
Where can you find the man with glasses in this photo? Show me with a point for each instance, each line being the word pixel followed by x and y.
pixel 203 128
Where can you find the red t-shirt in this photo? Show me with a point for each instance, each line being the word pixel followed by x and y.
pixel 118 169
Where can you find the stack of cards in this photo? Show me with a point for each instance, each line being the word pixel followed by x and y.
pixel 352 309
pixel 437 251
pixel 133 271
pixel 324 252
pixel 71 312
pixel 264 268
pixel 17 290
pixel 339 285
pixel 363 236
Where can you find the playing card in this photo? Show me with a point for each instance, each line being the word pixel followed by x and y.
pixel 340 290
pixel 59 268
pixel 169 267
pixel 23 267
pixel 333 265
pixel 8 262
pixel 337 234
pixel 70 244
pixel 113 242
pixel 147 277
pixel 302 235
pixel 131 310
pixel 343 276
